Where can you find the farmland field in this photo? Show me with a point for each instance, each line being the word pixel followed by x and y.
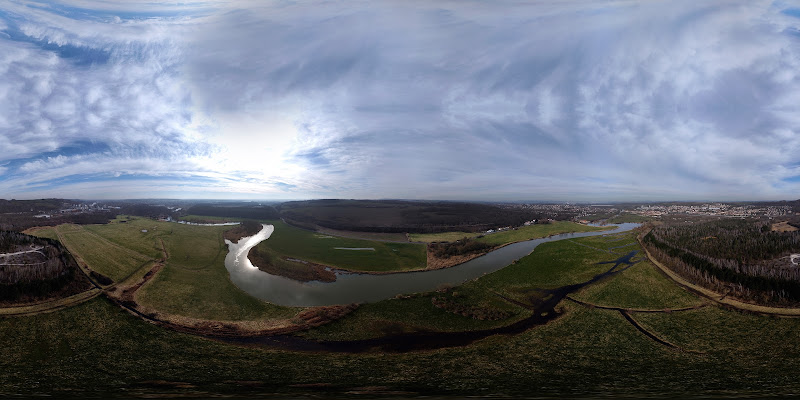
pixel 586 351
pixel 291 242
pixel 537 231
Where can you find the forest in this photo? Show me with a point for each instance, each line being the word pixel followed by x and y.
pixel 50 270
pixel 256 212
pixel 402 216
pixel 743 257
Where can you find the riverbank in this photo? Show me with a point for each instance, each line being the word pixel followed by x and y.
pixel 293 268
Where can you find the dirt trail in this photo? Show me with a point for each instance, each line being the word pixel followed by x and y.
pixel 49 305
pixel 653 336
pixel 636 310
pixel 718 298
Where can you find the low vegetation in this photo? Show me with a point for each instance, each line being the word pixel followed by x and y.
pixel 246 228
pixel 536 231
pixel 464 246
pixel 288 242
pixel 586 351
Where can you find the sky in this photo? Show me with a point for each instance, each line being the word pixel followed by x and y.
pixel 562 100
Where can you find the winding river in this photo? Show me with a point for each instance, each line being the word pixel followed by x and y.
pixel 366 288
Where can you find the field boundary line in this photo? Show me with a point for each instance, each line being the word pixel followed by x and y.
pixel 636 310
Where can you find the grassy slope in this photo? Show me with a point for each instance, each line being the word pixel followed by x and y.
pixel 110 259
pixel 640 286
pixel 96 347
pixel 195 283
pixel 130 235
pixel 293 242
pixel 45 232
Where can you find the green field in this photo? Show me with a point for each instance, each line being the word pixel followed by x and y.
pixel 537 231
pixel 111 259
pixel 440 237
pixel 288 241
pixel 193 283
pixel 97 348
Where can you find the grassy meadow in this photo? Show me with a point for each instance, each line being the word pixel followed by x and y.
pixel 292 242
pixel 193 283
pixel 537 231
pixel 97 348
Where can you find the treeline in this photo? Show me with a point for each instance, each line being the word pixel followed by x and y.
pixel 20 222
pixel 461 247
pixel 746 241
pixel 249 212
pixel 741 258
pixel 26 206
pixel 393 216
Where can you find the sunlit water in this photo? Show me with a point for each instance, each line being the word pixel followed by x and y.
pixel 365 288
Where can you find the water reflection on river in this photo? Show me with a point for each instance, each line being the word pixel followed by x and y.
pixel 361 288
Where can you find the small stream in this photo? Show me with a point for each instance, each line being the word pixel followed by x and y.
pixel 366 288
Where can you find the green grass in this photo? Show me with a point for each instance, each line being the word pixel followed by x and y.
pixel 105 257
pixel 551 265
pixel 194 281
pixel 440 237
pixel 640 286
pixel 49 232
pixel 95 348
pixel 130 235
pixel 288 241
pixel 537 231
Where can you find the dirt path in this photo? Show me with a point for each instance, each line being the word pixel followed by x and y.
pixel 636 310
pixel 653 336
pixel 49 305
pixel 718 298
pixel 626 313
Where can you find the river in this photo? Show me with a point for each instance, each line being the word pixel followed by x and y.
pixel 366 288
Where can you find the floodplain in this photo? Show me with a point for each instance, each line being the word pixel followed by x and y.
pixel 620 328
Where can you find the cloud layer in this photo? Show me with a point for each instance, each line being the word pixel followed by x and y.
pixel 571 101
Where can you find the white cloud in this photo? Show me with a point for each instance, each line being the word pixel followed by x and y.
pixel 548 100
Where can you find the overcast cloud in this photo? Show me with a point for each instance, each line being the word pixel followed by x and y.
pixel 561 100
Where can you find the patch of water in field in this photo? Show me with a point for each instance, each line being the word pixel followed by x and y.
pixel 366 288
